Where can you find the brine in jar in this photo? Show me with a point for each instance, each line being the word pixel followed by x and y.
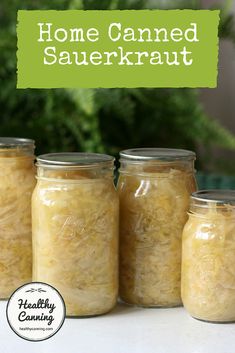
pixel 75 213
pixel 154 188
pixel 17 181
pixel 208 259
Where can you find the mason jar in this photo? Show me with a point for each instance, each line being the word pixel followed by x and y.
pixel 208 259
pixel 75 213
pixel 154 188
pixel 17 180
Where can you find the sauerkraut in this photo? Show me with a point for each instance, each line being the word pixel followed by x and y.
pixel 153 212
pixel 75 240
pixel 17 180
pixel 208 265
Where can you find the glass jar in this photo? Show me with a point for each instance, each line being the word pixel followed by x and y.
pixel 75 212
pixel 17 180
pixel 208 259
pixel 154 189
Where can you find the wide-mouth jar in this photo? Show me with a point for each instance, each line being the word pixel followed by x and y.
pixel 75 230
pixel 17 180
pixel 154 188
pixel 208 260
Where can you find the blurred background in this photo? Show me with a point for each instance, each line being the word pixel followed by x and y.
pixel 109 120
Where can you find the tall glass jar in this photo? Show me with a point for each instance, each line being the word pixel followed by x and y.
pixel 208 259
pixel 154 189
pixel 75 213
pixel 17 180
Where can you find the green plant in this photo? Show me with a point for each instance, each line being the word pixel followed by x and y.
pixel 103 120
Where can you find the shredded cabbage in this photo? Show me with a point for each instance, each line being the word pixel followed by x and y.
pixel 208 265
pixel 17 181
pixel 75 241
pixel 153 212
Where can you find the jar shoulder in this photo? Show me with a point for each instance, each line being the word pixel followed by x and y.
pixel 209 229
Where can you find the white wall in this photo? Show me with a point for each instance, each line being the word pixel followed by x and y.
pixel 219 103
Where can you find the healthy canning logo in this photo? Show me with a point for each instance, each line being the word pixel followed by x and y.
pixel 36 311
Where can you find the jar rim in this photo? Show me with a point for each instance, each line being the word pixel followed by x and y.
pixel 213 196
pixel 157 154
pixel 74 159
pixel 14 142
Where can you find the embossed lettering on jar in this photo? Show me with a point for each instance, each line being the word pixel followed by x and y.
pixel 17 181
pixel 208 259
pixel 154 189
pixel 75 230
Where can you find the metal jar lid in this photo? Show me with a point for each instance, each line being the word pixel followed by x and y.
pixel 220 197
pixel 157 154
pixel 15 142
pixel 74 159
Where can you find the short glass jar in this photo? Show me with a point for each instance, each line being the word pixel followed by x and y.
pixel 75 213
pixel 154 188
pixel 208 259
pixel 17 181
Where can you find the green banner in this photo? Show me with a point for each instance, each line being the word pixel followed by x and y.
pixel 143 48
